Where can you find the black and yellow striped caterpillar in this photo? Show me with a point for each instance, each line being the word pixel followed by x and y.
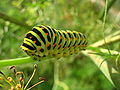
pixel 44 41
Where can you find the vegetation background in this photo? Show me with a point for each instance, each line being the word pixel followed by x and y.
pixel 76 72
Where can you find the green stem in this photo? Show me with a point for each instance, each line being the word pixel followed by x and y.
pixel 17 61
pixel 101 51
pixel 110 4
pixel 13 20
pixel 25 60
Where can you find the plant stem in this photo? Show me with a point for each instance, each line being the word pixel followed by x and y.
pixel 13 20
pixel 109 39
pixel 17 61
pixel 96 49
pixel 110 4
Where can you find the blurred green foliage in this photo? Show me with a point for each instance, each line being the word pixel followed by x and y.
pixel 78 72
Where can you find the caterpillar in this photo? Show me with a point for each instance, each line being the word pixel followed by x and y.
pixel 44 41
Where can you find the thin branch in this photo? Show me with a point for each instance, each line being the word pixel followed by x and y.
pixel 109 39
pixel 95 49
pixel 16 61
pixel 13 20
pixel 57 82
pixel 25 60
pixel 110 4
pixel 30 77
pixel 113 11
pixel 56 75
pixel 104 22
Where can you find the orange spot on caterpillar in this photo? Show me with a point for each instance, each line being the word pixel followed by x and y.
pixel 46 33
pixel 30 37
pixel 60 37
pixel 47 45
pixel 84 45
pixel 59 46
pixel 54 44
pixel 55 34
pixel 34 41
pixel 70 38
pixel 80 38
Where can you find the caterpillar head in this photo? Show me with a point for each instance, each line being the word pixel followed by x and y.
pixel 28 47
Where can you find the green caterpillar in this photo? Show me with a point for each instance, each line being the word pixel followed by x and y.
pixel 44 41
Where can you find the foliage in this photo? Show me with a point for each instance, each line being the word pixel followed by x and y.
pixel 75 72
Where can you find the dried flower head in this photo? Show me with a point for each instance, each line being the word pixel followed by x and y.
pixel 18 82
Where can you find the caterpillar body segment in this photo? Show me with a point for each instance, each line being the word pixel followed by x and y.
pixel 44 41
